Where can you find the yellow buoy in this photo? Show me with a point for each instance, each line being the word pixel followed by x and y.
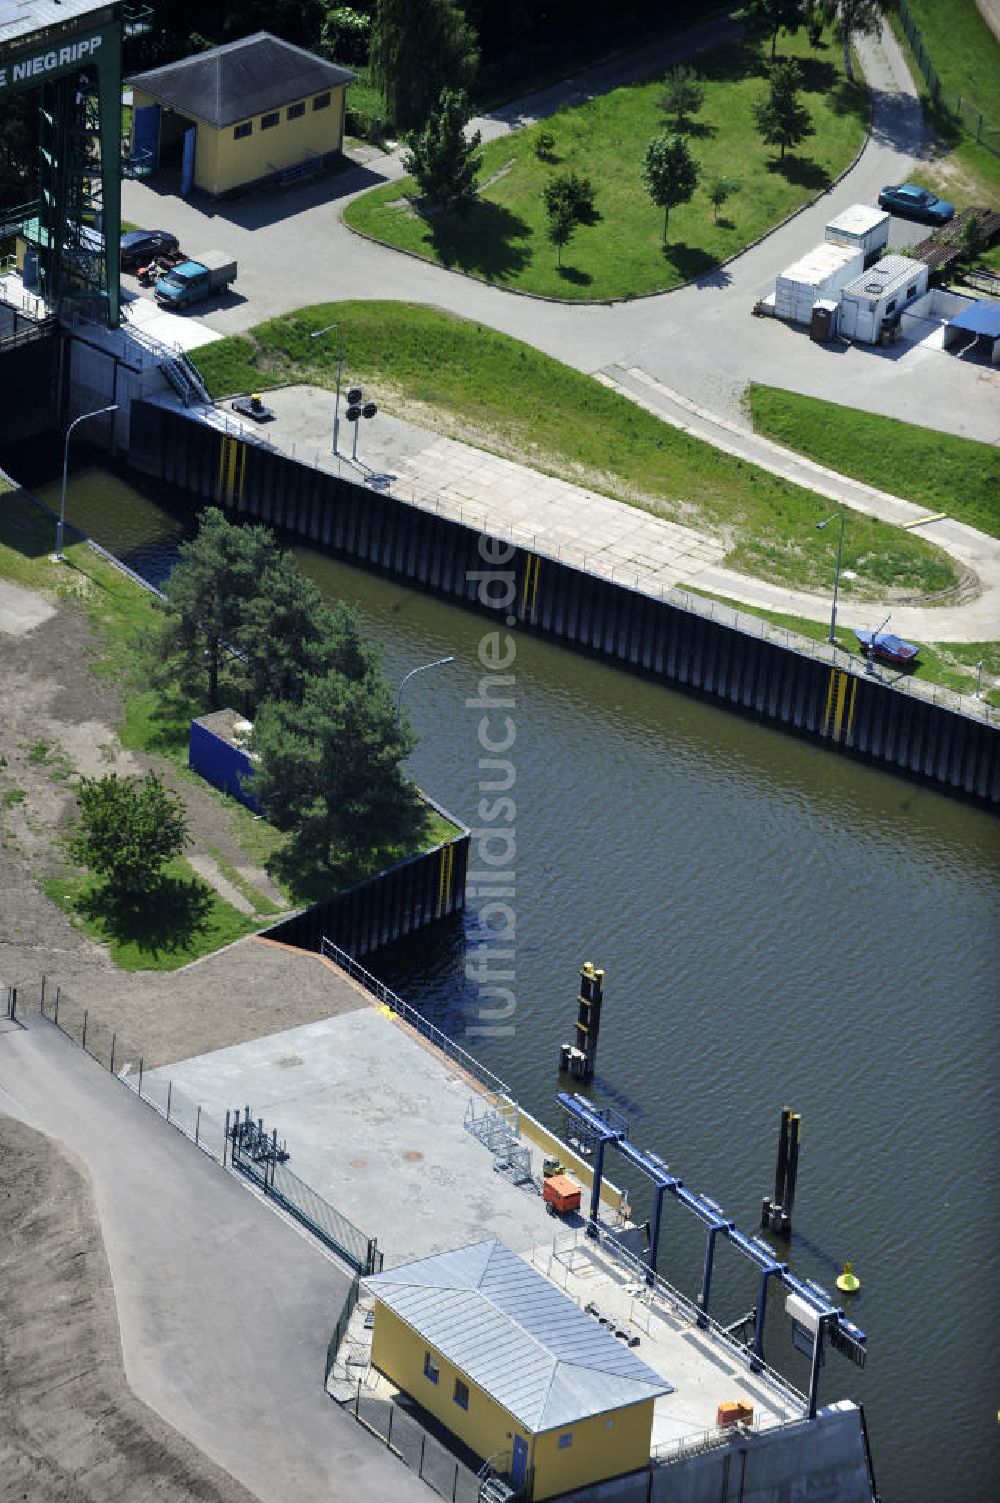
pixel 848 1281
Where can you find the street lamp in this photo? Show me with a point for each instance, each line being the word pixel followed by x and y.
pixel 57 557
pixel 836 577
pixel 340 368
pixel 437 663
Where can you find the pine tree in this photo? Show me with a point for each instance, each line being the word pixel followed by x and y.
pixel 781 117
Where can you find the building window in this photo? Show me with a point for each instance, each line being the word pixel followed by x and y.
pixel 890 306
pixel 268 121
pixel 431 1368
pixel 296 111
pixel 241 131
pixel 912 291
pixel 461 1394
pixel 565 1441
pixel 322 101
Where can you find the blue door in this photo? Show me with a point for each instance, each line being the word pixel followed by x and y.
pixel 146 138
pixel 519 1462
pixel 187 166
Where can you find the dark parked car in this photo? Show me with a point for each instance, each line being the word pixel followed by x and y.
pixel 916 203
pixel 138 247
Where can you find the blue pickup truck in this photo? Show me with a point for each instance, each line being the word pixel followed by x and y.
pixel 188 283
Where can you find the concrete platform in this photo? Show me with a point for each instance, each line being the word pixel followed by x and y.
pixel 373 1119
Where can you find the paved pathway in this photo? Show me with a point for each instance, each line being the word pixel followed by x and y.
pixel 225 1309
pixel 611 538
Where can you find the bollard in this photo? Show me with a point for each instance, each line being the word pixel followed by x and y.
pixel 170 1087
pixel 225 1142
pixel 140 1077
pixel 57 1008
pixel 197 1126
pixel 83 1041
pixel 42 1004
pixel 111 1067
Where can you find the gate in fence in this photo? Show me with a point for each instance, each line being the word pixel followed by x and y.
pixel 259 1156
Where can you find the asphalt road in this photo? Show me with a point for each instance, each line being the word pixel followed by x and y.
pixel 225 1310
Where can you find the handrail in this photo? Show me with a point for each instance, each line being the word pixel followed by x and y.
pixel 416 1019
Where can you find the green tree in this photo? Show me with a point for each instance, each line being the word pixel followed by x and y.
pixel 346 36
pixel 854 17
pixel 972 239
pixel 561 225
pixel 577 193
pixel 780 116
pixel 768 17
pixel 442 158
pixel 285 632
pixel 669 173
pixel 207 597
pixel 329 769
pixel 683 94
pixel 418 48
pixel 720 190
pixel 127 829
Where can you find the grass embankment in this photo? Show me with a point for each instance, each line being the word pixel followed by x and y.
pixel 185 918
pixel 507 397
pixel 503 237
pixel 966 57
pixel 949 474
pixel 953 665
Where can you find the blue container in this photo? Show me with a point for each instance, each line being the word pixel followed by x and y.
pixel 220 763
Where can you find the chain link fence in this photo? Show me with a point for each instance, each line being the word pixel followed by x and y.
pixel 972 118
pixel 415 1445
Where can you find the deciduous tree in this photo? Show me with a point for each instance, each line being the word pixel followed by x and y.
pixel 127 830
pixel 683 94
pixel 418 48
pixel 768 17
pixel 719 191
pixel 442 158
pixel 670 174
pixel 854 17
pixel 782 119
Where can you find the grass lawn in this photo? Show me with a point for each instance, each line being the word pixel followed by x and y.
pixel 181 920
pixel 503 238
pixel 950 474
pixel 966 56
pixel 953 665
pixel 505 396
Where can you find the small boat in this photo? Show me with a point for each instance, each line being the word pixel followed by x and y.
pixel 887 648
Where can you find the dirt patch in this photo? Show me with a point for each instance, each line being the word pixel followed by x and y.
pixel 73 1431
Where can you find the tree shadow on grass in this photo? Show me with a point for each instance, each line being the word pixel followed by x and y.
pixel 818 74
pixel 848 99
pixel 162 920
pixel 480 241
pixel 736 60
pixel 575 275
pixel 801 171
pixel 690 260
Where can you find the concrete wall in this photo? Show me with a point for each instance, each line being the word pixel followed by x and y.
pixel 29 386
pixel 840 708
pixel 822 1460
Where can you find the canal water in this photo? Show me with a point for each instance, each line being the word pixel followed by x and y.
pixel 778 926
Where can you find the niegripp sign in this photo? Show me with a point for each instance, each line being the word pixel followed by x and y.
pixel 29 69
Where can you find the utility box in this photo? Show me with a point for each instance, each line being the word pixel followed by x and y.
pixel 863 228
pixel 561 1194
pixel 217 752
pixel 820 274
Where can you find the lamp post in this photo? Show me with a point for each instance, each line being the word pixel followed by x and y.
pixel 423 667
pixel 340 369
pixel 836 577
pixel 57 557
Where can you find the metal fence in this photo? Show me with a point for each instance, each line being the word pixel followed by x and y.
pixel 252 1155
pixel 340 1329
pixel 972 118
pixel 422 1452
pixel 416 1020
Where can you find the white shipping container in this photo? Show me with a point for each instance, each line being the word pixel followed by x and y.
pixel 865 228
pixel 819 274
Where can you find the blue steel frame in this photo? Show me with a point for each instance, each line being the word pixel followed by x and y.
pixel 604 1131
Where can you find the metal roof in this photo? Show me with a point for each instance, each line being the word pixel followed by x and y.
pixel 819 263
pixel 20 18
pixel 858 219
pixel 982 318
pixel 510 1331
pixel 241 79
pixel 886 276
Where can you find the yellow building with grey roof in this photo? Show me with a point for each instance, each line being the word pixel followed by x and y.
pixel 514 1369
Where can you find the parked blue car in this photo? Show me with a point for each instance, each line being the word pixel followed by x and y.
pixel 916 203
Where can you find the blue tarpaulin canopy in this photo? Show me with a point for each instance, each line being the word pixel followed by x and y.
pixel 981 318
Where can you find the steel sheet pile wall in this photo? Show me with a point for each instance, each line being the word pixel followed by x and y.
pixel 398 901
pixel 844 710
